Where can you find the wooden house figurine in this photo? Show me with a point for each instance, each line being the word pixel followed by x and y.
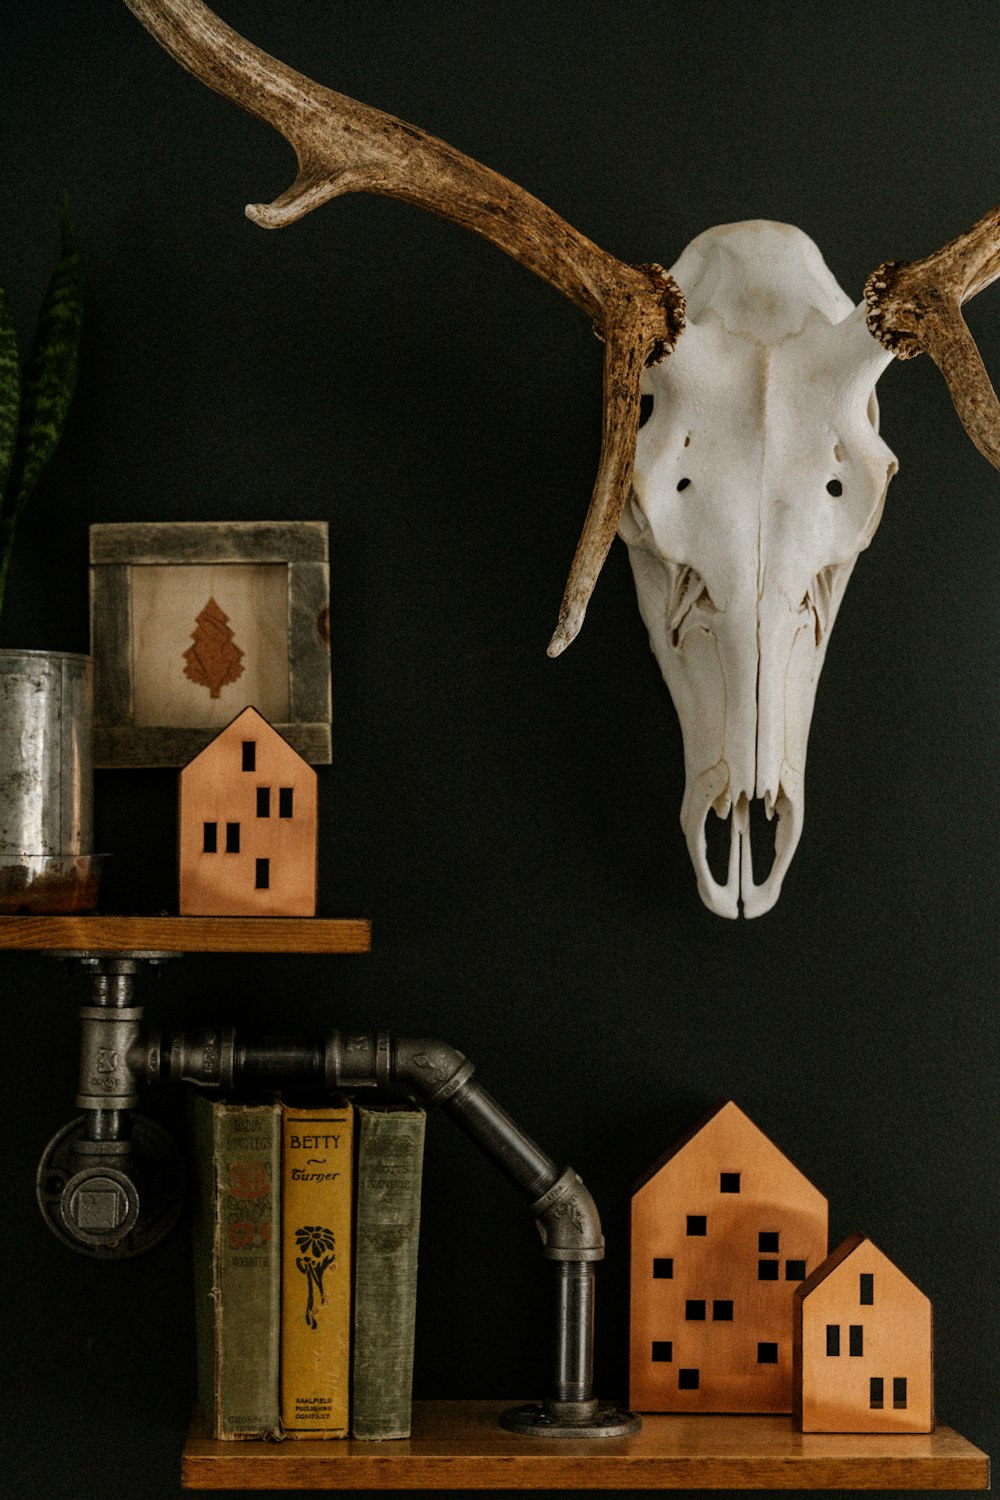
pixel 724 1228
pixel 247 829
pixel 863 1356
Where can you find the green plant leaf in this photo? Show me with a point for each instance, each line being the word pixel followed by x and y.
pixel 49 373
pixel 10 389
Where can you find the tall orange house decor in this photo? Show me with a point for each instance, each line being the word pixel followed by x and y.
pixel 247 826
pixel 863 1337
pixel 724 1229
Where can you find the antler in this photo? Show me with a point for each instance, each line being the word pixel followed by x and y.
pixel 343 146
pixel 915 307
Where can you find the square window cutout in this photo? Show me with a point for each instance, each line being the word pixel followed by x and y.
pixel 722 1310
pixel 687 1380
pixel 767 1354
pixel 767 1241
pixel 729 1182
pixel 767 1270
pixel 697 1224
pixel 663 1267
pixel 694 1310
pixel 663 1351
pixel 795 1270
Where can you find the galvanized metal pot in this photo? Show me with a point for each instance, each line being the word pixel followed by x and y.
pixel 47 862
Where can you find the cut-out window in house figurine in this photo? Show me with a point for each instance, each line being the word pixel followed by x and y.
pixel 724 1229
pixel 248 826
pixel 863 1346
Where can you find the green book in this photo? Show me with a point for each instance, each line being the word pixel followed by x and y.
pixel 387 1229
pixel 236 1185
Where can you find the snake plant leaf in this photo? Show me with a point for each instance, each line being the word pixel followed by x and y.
pixel 49 373
pixel 10 389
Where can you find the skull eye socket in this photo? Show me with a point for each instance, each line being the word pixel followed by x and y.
pixel 834 487
pixel 646 404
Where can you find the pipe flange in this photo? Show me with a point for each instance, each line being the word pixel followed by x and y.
pixel 103 1226
pixel 558 1419
pixel 91 959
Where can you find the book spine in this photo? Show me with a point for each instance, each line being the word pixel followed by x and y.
pixel 390 1165
pixel 236 1266
pixel 317 1177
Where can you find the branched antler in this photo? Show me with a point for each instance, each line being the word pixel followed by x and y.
pixel 343 147
pixel 914 307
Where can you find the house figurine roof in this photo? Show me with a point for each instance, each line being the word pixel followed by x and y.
pixel 863 1345
pixel 247 825
pixel 725 1120
pixel 724 1227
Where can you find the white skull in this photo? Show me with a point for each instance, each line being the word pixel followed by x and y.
pixel 759 478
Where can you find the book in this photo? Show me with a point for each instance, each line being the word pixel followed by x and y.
pixel 389 1174
pixel 236 1187
pixel 317 1179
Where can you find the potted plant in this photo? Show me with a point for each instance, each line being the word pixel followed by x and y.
pixel 46 861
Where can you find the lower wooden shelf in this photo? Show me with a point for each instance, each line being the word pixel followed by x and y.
pixel 458 1445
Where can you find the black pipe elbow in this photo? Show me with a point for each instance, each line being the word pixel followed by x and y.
pixel 568 1221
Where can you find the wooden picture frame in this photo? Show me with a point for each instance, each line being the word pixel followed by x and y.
pixel 173 665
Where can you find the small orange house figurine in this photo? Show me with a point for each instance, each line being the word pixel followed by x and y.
pixel 724 1228
pixel 863 1346
pixel 248 826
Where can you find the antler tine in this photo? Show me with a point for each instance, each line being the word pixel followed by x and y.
pixel 914 307
pixel 343 146
pixel 625 357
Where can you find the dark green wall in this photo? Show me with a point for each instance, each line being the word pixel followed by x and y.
pixel 509 823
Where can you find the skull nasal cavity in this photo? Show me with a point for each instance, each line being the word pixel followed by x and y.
pixel 717 838
pixel 762 831
pixel 718 841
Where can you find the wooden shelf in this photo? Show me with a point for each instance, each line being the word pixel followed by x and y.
pixel 186 934
pixel 458 1445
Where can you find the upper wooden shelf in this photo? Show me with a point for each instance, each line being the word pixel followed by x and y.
pixel 187 934
pixel 458 1445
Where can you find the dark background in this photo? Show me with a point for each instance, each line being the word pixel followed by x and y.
pixel 509 823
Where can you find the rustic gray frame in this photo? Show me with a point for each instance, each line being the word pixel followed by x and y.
pixel 118 547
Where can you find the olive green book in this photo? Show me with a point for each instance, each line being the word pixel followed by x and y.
pixel 236 1181
pixel 389 1175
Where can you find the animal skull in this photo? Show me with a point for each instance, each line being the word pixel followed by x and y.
pixel 759 477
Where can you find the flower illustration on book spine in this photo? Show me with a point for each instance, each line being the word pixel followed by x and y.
pixel 317 1252
pixel 214 659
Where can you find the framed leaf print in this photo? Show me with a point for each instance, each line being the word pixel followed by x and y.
pixel 191 622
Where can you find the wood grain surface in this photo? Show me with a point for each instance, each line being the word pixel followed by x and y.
pixel 459 1445
pixel 187 934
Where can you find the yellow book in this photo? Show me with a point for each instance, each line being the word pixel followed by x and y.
pixel 316 1169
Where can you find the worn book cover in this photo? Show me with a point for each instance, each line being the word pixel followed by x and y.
pixel 317 1178
pixel 389 1174
pixel 236 1195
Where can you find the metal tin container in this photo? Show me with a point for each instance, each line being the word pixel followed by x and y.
pixel 46 781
